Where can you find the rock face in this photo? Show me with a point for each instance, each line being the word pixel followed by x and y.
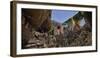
pixel 88 20
pixel 37 18
pixel 34 19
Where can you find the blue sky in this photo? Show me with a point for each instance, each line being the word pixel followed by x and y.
pixel 62 15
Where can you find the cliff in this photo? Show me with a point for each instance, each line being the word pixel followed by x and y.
pixel 34 19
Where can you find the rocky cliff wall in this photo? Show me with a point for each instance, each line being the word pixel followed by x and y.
pixel 34 19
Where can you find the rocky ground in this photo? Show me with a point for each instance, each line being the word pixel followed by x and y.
pixel 68 39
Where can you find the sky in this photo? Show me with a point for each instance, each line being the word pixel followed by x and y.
pixel 62 15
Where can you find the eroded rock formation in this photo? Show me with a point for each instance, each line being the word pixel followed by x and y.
pixel 34 19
